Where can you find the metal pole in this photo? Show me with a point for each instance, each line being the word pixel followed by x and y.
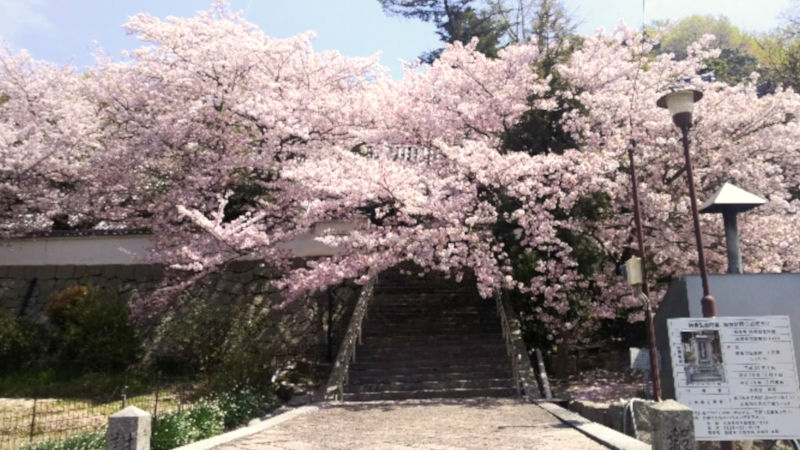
pixel 732 242
pixel 330 326
pixel 708 303
pixel 155 403
pixel 651 329
pixel 544 384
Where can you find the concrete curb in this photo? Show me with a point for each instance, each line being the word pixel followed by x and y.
pixel 600 433
pixel 239 433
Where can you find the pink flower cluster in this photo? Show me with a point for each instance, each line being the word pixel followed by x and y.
pixel 228 143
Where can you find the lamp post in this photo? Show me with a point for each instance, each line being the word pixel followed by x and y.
pixel 680 104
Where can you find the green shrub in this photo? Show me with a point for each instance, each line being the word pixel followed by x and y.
pixel 93 329
pixel 202 421
pixel 207 419
pixel 241 405
pixel 84 441
pixel 171 430
pixel 22 343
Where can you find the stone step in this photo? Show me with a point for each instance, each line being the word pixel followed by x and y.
pixel 478 343
pixel 456 366
pixel 430 362
pixel 415 306
pixel 426 329
pixel 416 360
pixel 431 316
pixel 410 352
pixel 441 311
pixel 399 332
pixel 414 341
pixel 408 296
pixel 429 337
pixel 439 385
pixel 429 394
pixel 385 376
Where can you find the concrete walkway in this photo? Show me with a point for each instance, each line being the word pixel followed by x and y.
pixel 430 424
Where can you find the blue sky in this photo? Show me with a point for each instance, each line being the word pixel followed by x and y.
pixel 63 31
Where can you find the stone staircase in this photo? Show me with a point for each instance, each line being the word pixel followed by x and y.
pixel 429 338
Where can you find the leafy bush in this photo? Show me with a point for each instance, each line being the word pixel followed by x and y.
pixel 93 329
pixel 171 430
pixel 241 405
pixel 22 343
pixel 202 421
pixel 207 419
pixel 84 441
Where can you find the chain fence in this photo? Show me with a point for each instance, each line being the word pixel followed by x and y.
pixel 28 421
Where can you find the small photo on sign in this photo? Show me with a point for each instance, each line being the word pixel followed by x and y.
pixel 702 356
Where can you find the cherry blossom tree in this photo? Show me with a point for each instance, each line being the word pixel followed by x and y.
pixel 738 137
pixel 47 137
pixel 228 144
pixel 212 108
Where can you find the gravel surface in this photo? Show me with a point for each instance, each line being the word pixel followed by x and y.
pixel 429 424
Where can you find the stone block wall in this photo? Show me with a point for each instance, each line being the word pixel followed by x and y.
pixel 229 318
pixel 25 290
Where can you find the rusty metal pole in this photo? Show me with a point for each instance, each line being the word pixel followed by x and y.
pixel 708 303
pixel 680 104
pixel 651 329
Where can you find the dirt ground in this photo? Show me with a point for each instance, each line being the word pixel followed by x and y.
pixel 600 385
pixel 430 424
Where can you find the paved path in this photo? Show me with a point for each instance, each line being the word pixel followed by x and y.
pixel 440 424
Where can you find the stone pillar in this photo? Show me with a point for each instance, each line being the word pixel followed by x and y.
pixel 129 429
pixel 673 426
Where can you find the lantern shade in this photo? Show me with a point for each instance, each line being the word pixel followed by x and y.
pixel 680 101
pixel 731 198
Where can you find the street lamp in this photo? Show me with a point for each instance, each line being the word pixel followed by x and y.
pixel 680 104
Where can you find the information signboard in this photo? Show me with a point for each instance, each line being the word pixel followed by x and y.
pixel 738 375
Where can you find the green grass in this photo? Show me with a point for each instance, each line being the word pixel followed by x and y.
pixel 85 441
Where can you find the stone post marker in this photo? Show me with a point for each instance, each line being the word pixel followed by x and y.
pixel 673 426
pixel 129 429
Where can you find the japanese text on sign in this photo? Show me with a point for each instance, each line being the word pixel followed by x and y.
pixel 739 376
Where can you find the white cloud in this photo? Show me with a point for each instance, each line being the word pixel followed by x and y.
pixel 21 16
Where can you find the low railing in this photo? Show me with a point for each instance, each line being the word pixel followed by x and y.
pixel 334 390
pixel 524 376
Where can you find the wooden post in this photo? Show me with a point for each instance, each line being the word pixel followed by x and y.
pixel 33 420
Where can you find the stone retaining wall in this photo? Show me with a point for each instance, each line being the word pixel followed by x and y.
pixel 25 290
pixel 614 416
pixel 234 308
